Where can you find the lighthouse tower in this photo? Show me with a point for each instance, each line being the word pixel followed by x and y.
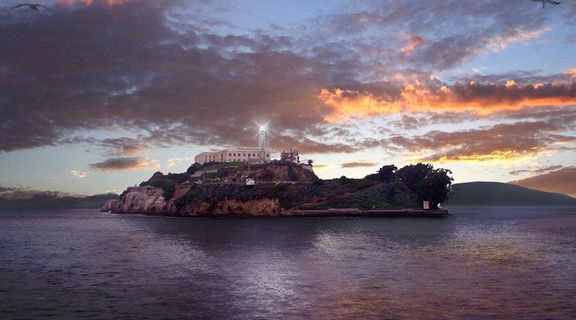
pixel 262 142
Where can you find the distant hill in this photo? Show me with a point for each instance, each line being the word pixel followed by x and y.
pixel 504 194
pixel 45 201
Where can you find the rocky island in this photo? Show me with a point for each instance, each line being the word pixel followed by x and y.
pixel 281 188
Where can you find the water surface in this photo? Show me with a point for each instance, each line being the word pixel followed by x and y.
pixel 481 263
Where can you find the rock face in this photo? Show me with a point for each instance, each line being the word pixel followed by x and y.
pixel 150 200
pixel 139 200
pixel 280 188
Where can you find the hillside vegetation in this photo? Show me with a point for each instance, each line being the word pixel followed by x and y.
pixel 222 189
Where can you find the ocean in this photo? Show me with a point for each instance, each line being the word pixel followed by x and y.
pixel 480 263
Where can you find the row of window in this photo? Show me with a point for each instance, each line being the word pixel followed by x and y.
pixel 213 157
pixel 244 155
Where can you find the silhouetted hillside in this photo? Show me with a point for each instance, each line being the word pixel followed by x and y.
pixel 52 202
pixel 504 194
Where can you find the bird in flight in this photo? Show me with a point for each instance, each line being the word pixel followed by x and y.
pixel 32 6
pixel 544 2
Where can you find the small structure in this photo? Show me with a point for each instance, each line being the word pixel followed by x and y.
pixel 290 156
pixel 426 205
pixel 250 182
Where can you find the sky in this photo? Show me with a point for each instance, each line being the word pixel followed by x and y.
pixel 97 95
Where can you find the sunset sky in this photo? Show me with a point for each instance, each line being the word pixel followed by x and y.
pixel 98 95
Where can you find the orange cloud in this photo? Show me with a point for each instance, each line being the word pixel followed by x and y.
pixel 414 42
pixel 572 72
pixel 479 98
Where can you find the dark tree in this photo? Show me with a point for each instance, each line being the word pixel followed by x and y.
pixel 193 168
pixel 435 187
pixel 344 180
pixel 387 173
pixel 414 173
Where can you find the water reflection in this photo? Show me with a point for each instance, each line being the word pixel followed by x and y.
pixel 512 263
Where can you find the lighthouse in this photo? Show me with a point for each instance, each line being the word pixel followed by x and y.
pixel 262 142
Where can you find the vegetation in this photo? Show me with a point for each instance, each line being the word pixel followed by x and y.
pixel 435 187
pixel 428 183
pixel 166 182
pixel 293 187
pixel 387 173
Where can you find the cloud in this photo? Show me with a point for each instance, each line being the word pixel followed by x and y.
pixel 413 42
pixel 561 181
pixel 358 164
pixel 420 120
pixel 501 142
pixel 79 174
pixel 481 98
pixel 164 74
pixel 500 42
pixel 454 30
pixel 125 163
pixel 90 2
pixel 538 171
pixel 172 162
pixel 150 72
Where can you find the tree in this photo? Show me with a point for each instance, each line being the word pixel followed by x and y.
pixel 343 180
pixel 193 168
pixel 435 187
pixel 387 173
pixel 414 173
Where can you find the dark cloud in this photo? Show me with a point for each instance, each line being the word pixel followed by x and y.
pixel 103 67
pixel 124 163
pixel 159 70
pixel 358 164
pixel 562 181
pixel 499 142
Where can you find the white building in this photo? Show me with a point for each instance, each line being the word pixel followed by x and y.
pixel 234 155
pixel 242 154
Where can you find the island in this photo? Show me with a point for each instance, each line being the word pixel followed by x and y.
pixel 286 188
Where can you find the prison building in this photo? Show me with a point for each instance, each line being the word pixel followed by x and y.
pixel 234 155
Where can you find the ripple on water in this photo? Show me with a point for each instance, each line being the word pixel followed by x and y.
pixel 512 263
